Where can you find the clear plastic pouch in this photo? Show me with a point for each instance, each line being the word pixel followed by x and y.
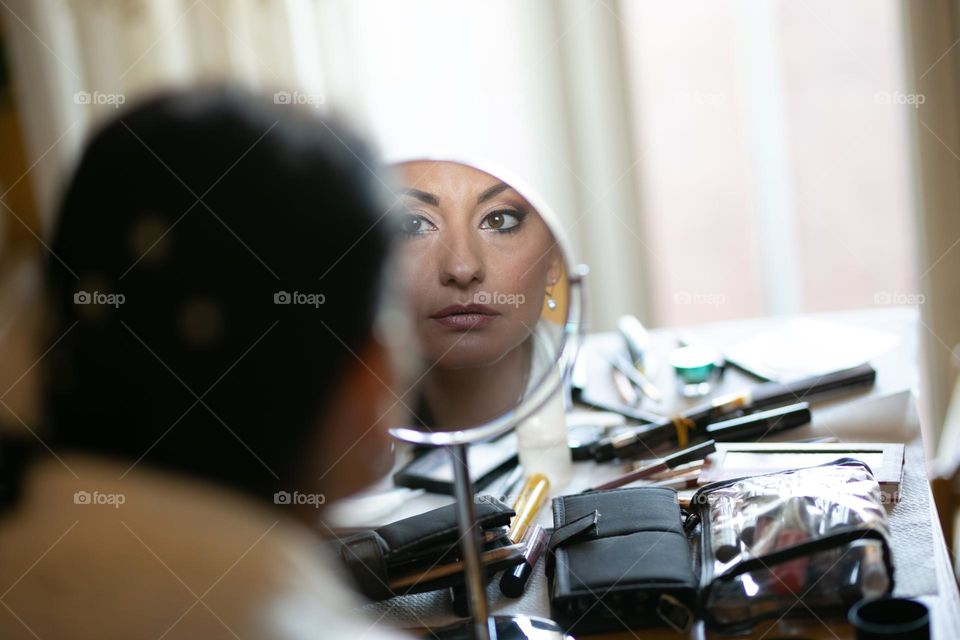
pixel 796 543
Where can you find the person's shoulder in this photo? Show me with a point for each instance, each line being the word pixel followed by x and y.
pixel 152 555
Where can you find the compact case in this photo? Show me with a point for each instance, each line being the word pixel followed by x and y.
pixel 620 558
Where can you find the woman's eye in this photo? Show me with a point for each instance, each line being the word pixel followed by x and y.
pixel 413 225
pixel 502 220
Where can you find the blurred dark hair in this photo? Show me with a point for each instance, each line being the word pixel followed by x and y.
pixel 289 205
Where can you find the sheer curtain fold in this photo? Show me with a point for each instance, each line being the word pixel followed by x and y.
pixel 75 62
pixel 932 30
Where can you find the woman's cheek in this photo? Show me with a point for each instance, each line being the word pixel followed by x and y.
pixel 529 286
pixel 415 282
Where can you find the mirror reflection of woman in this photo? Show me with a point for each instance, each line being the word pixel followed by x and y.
pixel 481 264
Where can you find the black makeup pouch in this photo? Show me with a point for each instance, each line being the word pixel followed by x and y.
pixel 789 543
pixel 421 553
pixel 620 559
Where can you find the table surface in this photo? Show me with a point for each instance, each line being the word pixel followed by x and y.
pixel 886 413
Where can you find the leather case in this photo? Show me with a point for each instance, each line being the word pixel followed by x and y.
pixel 423 542
pixel 620 559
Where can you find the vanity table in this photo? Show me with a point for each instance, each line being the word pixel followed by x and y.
pixel 885 413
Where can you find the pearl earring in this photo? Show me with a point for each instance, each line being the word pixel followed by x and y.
pixel 551 303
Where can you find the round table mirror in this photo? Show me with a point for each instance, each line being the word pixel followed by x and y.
pixel 495 306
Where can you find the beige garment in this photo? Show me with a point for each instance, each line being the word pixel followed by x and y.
pixel 155 556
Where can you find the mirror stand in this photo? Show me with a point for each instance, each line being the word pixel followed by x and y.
pixel 470 543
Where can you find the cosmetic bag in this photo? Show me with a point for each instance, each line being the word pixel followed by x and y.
pixel 789 543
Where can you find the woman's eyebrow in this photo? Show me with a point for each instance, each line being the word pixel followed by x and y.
pixel 422 196
pixel 492 191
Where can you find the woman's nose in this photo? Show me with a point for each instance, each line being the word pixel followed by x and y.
pixel 462 262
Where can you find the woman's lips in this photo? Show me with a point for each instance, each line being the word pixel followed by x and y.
pixel 464 317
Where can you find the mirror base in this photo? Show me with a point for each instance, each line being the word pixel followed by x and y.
pixel 508 628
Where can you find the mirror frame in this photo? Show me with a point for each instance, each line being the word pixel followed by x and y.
pixel 573 329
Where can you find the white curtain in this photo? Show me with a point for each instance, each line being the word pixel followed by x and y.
pixel 535 86
pixel 933 31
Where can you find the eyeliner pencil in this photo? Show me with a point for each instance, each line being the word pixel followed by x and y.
pixel 492 556
pixel 696 452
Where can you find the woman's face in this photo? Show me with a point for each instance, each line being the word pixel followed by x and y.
pixel 478 260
